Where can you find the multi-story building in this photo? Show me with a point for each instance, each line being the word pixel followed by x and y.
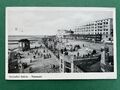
pixel 90 31
pixel 104 26
pixel 63 34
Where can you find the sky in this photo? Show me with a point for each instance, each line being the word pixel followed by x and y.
pixel 47 20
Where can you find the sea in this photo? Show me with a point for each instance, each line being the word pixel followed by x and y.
pixel 13 40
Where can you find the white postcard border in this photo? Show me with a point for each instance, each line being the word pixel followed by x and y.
pixel 57 76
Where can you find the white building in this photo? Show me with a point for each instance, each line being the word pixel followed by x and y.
pixel 62 32
pixel 104 26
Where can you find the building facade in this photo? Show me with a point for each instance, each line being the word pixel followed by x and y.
pixel 97 31
pixel 62 32
pixel 104 26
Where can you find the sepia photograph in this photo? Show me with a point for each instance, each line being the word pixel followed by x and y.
pixel 60 43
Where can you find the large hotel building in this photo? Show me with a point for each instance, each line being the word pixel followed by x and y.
pixel 104 26
pixel 94 31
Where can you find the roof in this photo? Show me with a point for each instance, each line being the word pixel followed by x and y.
pixel 24 40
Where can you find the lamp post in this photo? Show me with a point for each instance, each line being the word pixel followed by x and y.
pixel 104 57
pixel 72 64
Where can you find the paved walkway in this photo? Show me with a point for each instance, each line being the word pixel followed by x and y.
pixel 41 65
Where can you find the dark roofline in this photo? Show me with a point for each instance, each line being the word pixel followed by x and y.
pixel 23 40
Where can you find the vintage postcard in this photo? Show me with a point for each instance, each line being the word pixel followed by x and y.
pixel 60 43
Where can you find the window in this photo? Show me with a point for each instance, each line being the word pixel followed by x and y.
pixel 61 61
pixel 61 66
pixel 106 22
